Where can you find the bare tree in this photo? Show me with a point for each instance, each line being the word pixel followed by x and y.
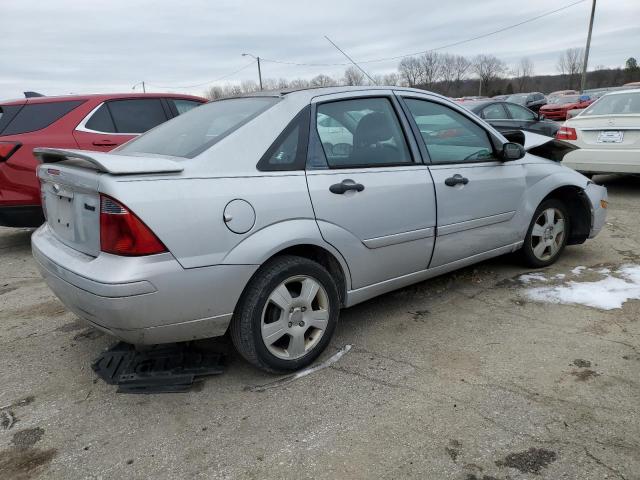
pixel 249 86
pixel 390 79
pixel 489 68
pixel 449 71
pixel 322 80
pixel 570 66
pixel 431 64
pixel 461 67
pixel 410 71
pixel 523 72
pixel 353 76
pixel 299 83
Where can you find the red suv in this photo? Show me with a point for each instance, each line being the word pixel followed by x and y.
pixel 87 122
pixel 559 107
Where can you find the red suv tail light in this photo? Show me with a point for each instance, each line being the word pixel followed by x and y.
pixel 566 133
pixel 123 233
pixel 7 149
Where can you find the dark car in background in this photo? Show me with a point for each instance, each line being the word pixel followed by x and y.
pixel 532 101
pixel 87 122
pixel 507 116
pixel 560 108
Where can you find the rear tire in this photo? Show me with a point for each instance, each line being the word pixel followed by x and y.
pixel 547 235
pixel 286 315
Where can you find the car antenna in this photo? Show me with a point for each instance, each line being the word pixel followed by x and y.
pixel 352 61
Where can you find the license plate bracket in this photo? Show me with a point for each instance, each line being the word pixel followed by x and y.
pixel 610 136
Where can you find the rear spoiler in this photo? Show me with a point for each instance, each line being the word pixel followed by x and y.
pixel 110 163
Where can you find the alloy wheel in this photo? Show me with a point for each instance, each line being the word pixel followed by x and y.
pixel 295 317
pixel 547 235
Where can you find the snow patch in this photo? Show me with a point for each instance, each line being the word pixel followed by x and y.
pixel 606 294
pixel 531 277
pixel 578 270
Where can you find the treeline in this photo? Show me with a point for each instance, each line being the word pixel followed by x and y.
pixel 457 76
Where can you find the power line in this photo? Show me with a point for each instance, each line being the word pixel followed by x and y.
pixel 449 45
pixel 210 81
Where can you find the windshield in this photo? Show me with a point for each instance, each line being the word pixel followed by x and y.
pixel 193 132
pixel 564 99
pixel 617 104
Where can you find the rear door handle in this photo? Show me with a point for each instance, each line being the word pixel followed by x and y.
pixel 345 186
pixel 105 143
pixel 456 180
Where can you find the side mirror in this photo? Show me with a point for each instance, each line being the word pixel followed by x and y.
pixel 512 151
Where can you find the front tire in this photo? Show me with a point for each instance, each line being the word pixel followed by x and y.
pixel 286 315
pixel 547 235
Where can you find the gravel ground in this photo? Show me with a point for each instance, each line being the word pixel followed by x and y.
pixel 461 377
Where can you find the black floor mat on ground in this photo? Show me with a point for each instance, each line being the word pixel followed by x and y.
pixel 159 369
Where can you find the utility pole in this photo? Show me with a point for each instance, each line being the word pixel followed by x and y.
pixel 144 90
pixel 260 73
pixel 480 88
pixel 583 82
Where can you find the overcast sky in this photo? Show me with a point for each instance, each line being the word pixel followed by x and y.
pixel 65 46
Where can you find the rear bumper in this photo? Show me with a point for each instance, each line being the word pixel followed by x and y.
pixel 603 160
pixel 141 300
pixel 21 216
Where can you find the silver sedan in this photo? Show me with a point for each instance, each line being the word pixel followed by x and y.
pixel 265 215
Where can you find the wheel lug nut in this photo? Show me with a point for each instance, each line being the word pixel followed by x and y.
pixel 290 324
pixel 304 309
pixel 301 324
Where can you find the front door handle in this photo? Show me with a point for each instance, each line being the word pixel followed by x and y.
pixel 344 186
pixel 456 180
pixel 105 143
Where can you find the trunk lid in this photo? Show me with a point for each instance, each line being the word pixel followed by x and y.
pixel 70 189
pixel 590 128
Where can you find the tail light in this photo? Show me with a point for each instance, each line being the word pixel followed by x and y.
pixel 123 233
pixel 566 133
pixel 7 149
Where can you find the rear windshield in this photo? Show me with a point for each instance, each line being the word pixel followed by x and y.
pixel 517 98
pixel 36 116
pixel 617 104
pixel 193 132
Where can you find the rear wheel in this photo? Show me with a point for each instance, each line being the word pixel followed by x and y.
pixel 547 234
pixel 287 314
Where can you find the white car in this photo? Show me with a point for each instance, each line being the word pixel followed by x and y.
pixel 607 134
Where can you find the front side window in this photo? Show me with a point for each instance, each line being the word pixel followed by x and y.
pixel 519 113
pixel 494 112
pixel 450 137
pixel 361 133
pixel 136 116
pixel 191 133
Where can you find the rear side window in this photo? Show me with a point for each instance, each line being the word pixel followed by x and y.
pixel 361 133
pixel 36 116
pixel 136 116
pixel 7 112
pixel 183 106
pixel 289 151
pixel 101 120
pixel 494 112
pixel 192 133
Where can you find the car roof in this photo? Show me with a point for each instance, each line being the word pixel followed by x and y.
pixel 100 96
pixel 619 92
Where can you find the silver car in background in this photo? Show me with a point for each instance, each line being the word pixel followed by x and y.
pixel 266 214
